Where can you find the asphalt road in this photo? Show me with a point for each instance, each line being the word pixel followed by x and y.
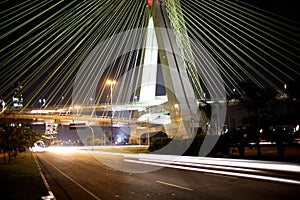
pixel 75 175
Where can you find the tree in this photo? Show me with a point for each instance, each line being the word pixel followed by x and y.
pixel 14 140
pixel 89 140
pixel 256 101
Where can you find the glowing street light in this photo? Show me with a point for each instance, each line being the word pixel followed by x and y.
pixel 111 83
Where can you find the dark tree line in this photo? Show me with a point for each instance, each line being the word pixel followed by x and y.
pixel 16 139
pixel 268 108
pixel 268 112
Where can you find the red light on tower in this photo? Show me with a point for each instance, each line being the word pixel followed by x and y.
pixel 150 2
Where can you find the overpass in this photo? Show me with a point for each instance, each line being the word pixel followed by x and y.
pixel 175 111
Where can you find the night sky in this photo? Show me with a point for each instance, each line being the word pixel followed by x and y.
pixel 287 9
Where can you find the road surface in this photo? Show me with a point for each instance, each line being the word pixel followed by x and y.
pixel 78 175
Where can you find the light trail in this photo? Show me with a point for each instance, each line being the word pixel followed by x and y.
pixel 228 167
pixel 225 173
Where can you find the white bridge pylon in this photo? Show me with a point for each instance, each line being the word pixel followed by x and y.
pixel 179 110
pixel 149 72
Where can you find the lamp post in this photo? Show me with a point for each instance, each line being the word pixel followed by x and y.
pixel 148 125
pixel 111 83
pixel 93 137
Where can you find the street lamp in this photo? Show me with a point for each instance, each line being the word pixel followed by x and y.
pixel 93 137
pixel 111 83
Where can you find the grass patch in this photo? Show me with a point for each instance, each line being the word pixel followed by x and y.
pixel 21 178
pixel 126 150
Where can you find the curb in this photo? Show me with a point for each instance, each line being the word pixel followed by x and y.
pixel 51 195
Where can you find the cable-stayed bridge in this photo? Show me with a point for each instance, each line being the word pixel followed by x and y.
pixel 191 50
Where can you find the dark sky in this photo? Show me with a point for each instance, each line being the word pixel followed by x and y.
pixel 286 8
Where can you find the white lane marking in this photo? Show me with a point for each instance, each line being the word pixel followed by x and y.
pixel 174 185
pixel 83 188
